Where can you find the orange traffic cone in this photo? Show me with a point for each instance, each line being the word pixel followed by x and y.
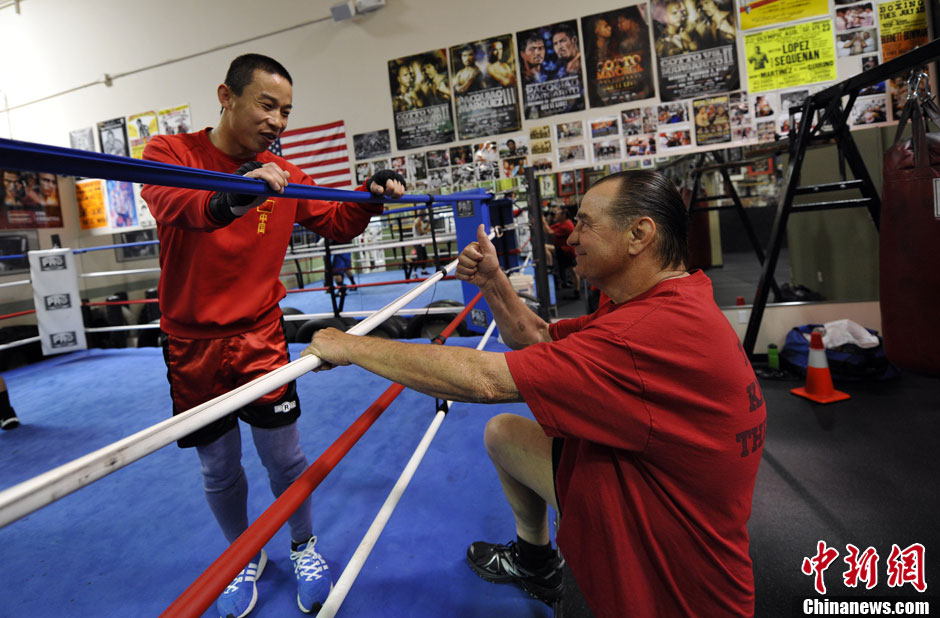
pixel 818 380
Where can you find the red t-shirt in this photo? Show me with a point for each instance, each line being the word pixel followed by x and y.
pixel 562 231
pixel 218 281
pixel 664 424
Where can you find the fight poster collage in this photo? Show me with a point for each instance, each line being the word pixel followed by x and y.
pixel 30 200
pixel 115 207
pixel 664 76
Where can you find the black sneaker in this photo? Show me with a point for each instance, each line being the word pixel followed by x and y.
pixel 9 422
pixel 500 564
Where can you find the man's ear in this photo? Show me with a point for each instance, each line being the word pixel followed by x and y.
pixel 641 235
pixel 225 96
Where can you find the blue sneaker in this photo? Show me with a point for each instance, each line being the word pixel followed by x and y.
pixel 314 581
pixel 241 595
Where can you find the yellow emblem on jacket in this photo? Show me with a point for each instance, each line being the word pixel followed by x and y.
pixel 263 211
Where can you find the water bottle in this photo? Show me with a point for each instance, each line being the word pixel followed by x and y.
pixel 773 356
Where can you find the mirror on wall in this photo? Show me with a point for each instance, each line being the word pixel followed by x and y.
pixel 827 255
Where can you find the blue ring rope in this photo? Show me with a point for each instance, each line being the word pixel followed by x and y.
pixel 27 156
pixel 139 243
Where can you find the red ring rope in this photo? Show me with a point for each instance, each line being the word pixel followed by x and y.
pixel 17 314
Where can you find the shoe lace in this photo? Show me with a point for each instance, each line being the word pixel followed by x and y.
pixel 233 587
pixel 307 562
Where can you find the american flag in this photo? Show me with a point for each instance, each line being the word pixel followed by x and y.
pixel 319 151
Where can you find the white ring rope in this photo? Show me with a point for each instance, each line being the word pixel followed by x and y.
pixel 344 583
pixel 39 491
pixel 297 317
pixel 17 343
pixel 353 248
pixel 129 271
pixel 12 283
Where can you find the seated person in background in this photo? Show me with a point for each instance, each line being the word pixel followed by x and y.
pixel 649 421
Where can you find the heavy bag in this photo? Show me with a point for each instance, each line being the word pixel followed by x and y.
pixel 910 243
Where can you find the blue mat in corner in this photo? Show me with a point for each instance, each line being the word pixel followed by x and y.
pixel 130 543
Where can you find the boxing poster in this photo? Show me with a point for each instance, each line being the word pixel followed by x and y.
pixel 140 128
pixel 619 59
pixel 483 76
pixel 712 121
pixel 92 206
pixel 29 200
pixel 112 135
pixel 760 13
pixel 550 66
pixel 174 120
pixel 903 27
pixel 373 144
pixel 695 48
pixel 58 303
pixel 82 139
pixel 421 96
pixel 790 56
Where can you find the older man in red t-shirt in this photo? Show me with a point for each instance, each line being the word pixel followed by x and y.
pixel 649 421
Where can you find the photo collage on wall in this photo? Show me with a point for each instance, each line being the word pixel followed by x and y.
pixel 664 76
pixel 116 207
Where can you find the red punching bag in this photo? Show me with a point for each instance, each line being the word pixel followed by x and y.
pixel 910 243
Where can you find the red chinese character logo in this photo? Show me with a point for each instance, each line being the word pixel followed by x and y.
pixel 862 567
pixel 819 563
pixel 907 566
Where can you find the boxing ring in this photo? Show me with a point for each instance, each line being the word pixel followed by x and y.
pixel 462 482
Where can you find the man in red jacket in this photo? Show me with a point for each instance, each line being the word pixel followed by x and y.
pixel 221 256
pixel 649 423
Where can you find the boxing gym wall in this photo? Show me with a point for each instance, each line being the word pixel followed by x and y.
pixel 69 66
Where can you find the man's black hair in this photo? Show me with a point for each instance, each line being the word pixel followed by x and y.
pixel 648 193
pixel 567 30
pixel 533 37
pixel 242 71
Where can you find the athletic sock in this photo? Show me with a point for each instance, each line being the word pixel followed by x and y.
pixel 5 409
pixel 532 557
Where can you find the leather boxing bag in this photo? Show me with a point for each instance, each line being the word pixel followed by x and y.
pixel 910 243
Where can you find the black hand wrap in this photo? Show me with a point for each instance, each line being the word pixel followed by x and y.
pixel 382 177
pixel 222 205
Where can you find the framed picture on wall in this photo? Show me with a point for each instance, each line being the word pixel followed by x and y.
pixel 137 252
pixel 570 182
pixel 17 242
pixel 761 168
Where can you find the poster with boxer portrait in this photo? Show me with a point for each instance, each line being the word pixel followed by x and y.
pixel 112 135
pixel 712 121
pixel 695 48
pixel 176 119
pixel 618 56
pixel 140 129
pixel 29 200
pixel 421 96
pixel 483 78
pixel 550 69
